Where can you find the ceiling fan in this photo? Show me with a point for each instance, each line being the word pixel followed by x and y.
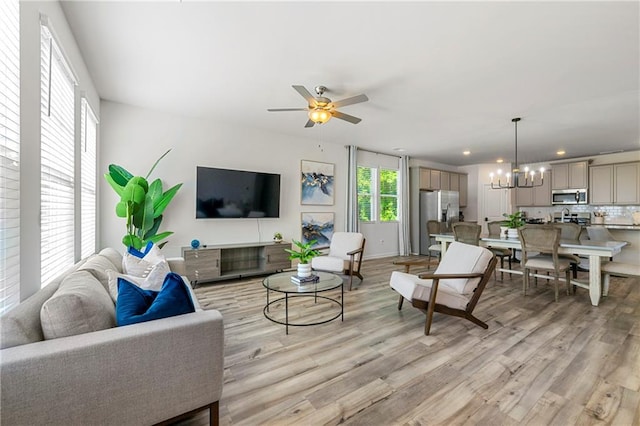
pixel 321 109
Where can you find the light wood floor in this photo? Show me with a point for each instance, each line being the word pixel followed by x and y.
pixel 539 363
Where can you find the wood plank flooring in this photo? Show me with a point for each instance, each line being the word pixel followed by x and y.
pixel 539 363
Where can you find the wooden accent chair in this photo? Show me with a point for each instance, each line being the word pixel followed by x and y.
pixel 540 252
pixel 455 287
pixel 467 232
pixel 494 231
pixel 344 257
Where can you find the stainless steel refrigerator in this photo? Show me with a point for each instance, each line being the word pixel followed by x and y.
pixel 442 206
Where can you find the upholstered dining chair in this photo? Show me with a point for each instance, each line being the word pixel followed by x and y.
pixel 467 232
pixel 570 231
pixel 540 252
pixel 344 257
pixel 502 253
pixel 455 286
pixel 433 227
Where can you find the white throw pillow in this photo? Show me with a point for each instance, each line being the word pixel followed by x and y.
pixel 142 267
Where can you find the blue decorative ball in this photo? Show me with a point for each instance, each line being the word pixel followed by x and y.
pixel 195 244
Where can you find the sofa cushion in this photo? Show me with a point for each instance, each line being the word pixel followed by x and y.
pixel 80 305
pixel 98 265
pixel 114 257
pixel 137 305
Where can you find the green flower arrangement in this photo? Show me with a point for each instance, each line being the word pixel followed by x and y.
pixel 514 220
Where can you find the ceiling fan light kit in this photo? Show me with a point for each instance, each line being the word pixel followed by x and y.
pixel 321 109
pixel 517 178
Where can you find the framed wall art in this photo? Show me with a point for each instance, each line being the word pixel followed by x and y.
pixel 317 226
pixel 317 183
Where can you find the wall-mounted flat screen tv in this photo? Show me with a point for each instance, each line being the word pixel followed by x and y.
pixel 225 193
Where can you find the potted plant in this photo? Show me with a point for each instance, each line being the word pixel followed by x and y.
pixel 304 254
pixel 141 204
pixel 277 237
pixel 513 222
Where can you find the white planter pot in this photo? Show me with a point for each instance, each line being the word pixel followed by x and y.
pixel 503 231
pixel 304 269
pixel 512 233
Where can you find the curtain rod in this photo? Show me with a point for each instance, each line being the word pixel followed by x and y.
pixel 375 152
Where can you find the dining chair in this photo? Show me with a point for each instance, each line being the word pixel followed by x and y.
pixel 540 245
pixel 570 232
pixel 433 227
pixel 467 232
pixel 502 253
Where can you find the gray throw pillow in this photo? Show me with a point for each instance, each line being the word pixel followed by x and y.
pixel 80 305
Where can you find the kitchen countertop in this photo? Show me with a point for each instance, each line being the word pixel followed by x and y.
pixel 625 227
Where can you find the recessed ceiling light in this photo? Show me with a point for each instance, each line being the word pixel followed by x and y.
pixel 466 152
pixel 561 152
pixel 399 149
pixel 499 160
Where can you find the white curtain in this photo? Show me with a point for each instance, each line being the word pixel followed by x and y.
pixel 404 243
pixel 352 224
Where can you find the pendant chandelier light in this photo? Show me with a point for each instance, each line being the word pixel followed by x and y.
pixel 516 178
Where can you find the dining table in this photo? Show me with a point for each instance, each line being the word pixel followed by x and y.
pixel 595 251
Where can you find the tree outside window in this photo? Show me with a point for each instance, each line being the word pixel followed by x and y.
pixel 377 194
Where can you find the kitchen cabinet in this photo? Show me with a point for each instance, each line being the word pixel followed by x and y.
pixel 539 196
pixel 464 181
pixel 615 184
pixel 434 180
pixel 570 175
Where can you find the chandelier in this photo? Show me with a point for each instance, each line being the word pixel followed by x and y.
pixel 516 178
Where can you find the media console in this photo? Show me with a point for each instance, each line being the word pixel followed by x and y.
pixel 226 261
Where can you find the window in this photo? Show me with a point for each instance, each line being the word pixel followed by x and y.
pixel 57 159
pixel 388 195
pixel 377 194
pixel 9 155
pixel 88 144
pixel 366 189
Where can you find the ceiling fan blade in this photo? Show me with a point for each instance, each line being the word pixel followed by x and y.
pixel 309 124
pixel 305 94
pixel 350 101
pixel 346 117
pixel 286 109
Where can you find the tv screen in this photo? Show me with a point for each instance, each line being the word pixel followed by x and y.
pixel 223 193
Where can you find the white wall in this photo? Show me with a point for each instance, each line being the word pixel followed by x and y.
pixel 135 137
pixel 30 126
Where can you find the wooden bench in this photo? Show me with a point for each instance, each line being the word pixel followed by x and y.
pixel 618 269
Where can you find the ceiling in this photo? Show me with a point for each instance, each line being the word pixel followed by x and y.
pixel 442 77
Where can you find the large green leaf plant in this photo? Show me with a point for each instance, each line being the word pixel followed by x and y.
pixel 141 204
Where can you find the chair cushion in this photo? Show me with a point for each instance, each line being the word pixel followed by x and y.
pixel 435 247
pixel 405 283
pixel 463 258
pixel 80 305
pixel 446 295
pixel 626 269
pixel 344 242
pixel 329 263
pixel 546 262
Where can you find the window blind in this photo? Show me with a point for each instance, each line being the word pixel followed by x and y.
pixel 57 160
pixel 89 141
pixel 9 155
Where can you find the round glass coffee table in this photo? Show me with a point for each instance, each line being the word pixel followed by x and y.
pixel 281 283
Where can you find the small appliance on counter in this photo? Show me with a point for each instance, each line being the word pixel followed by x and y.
pixel 583 219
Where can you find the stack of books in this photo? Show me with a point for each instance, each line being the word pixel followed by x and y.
pixel 305 280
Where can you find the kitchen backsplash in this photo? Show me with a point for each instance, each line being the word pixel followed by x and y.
pixel 621 215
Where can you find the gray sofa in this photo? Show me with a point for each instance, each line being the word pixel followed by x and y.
pixel 145 373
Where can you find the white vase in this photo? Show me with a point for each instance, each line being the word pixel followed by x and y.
pixel 503 231
pixel 304 269
pixel 512 233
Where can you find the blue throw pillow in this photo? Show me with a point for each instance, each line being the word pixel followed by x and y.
pixel 136 305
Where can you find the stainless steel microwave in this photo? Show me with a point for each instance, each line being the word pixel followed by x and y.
pixel 568 196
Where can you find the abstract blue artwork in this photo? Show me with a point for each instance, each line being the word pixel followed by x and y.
pixel 317 182
pixel 317 226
